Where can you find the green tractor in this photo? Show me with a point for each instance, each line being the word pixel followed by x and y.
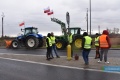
pixel 62 41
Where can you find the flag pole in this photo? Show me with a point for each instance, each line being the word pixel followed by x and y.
pixel 24 24
pixel 53 13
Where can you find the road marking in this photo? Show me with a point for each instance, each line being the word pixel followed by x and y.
pixel 30 54
pixel 57 65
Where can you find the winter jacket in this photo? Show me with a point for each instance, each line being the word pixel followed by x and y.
pixel 105 32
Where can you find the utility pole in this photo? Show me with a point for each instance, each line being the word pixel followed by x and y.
pixel 87 19
pixel 99 29
pixel 2 24
pixel 90 17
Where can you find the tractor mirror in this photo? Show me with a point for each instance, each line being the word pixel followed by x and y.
pixel 22 30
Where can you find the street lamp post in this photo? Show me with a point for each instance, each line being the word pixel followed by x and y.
pixel 87 19
pixel 90 17
pixel 2 24
pixel 99 29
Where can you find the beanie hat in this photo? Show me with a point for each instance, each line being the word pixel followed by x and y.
pixel 85 34
pixel 105 32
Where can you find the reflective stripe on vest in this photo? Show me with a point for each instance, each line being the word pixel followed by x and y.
pixel 103 41
pixel 88 41
pixel 97 41
pixel 70 38
pixel 53 39
pixel 50 42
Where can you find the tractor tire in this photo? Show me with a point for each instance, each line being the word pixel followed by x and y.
pixel 32 42
pixel 77 43
pixel 60 45
pixel 15 44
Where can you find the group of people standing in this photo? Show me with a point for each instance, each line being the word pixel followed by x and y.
pixel 102 44
pixel 51 46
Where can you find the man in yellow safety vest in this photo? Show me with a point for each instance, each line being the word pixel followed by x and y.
pixel 86 46
pixel 53 39
pixel 49 47
pixel 97 46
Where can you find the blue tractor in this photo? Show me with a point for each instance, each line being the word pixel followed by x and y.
pixel 30 39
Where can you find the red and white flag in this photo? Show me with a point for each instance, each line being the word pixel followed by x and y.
pixel 50 13
pixel 21 24
pixel 47 10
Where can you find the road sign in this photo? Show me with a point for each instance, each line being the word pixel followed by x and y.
pixel 68 18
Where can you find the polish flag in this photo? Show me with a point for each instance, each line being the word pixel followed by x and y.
pixel 50 13
pixel 21 24
pixel 47 10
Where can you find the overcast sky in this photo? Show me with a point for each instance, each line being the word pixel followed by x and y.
pixel 105 13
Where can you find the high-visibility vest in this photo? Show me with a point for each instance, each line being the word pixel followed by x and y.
pixel 70 38
pixel 50 42
pixel 53 39
pixel 103 41
pixel 97 41
pixel 88 41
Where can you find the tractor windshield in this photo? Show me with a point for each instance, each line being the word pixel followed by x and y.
pixel 35 31
pixel 75 30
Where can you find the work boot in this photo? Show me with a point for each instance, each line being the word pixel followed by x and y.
pixel 58 56
pixel 95 57
pixel 48 59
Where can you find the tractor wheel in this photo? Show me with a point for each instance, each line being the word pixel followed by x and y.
pixel 60 45
pixel 15 44
pixel 32 42
pixel 77 43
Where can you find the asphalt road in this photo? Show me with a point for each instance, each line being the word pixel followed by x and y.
pixel 111 53
pixel 21 70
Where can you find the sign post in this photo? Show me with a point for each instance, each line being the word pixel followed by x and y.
pixel 68 19
pixel 68 46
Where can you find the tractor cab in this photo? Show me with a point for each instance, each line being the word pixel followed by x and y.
pixel 77 37
pixel 30 30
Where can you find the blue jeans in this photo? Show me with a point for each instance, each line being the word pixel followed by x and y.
pixel 54 49
pixel 85 54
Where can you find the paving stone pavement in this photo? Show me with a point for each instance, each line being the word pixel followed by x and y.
pixel 93 64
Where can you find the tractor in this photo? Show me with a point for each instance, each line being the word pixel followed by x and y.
pixel 30 39
pixel 62 41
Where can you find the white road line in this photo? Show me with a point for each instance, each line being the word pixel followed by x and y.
pixel 58 65
pixel 30 54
